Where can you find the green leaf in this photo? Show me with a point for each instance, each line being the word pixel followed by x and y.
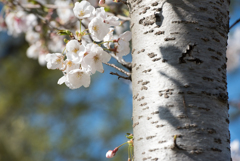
pixel 129 137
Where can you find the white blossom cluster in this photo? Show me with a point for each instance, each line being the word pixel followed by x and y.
pixel 80 58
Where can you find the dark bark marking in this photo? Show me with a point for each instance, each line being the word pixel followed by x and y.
pixel 217 140
pixel 135 96
pixel 203 108
pixel 154 122
pixel 205 39
pixel 145 108
pixel 216 149
pixel 139 139
pixel 169 38
pixel 211 20
pixel 134 65
pixel 155 4
pixel 211 131
pixel 144 88
pixel 156 112
pixel 148 70
pixel 207 78
pixel 227 120
pixel 151 55
pixel 152 150
pixel 141 98
pixel 203 9
pixel 140 81
pixel 150 31
pixel 156 59
pixel 135 124
pixel 170 105
pixel 149 118
pixel 141 20
pixel 185 22
pixel 159 32
pixel 222 97
pixel 190 92
pixel 217 40
pixel 164 60
pixel 133 51
pixel 214 57
pixel 188 53
pixel 182 116
pixel 198 29
pixel 132 25
pixel 143 104
pixel 150 137
pixel 187 126
pixel 140 117
pixel 163 141
pixel 145 83
pixel 196 151
pixel 173 33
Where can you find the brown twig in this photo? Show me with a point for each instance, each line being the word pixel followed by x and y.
pixel 122 62
pixel 119 69
pixel 120 76
pixel 175 146
pixel 236 22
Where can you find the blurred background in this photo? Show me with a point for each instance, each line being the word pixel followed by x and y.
pixel 42 121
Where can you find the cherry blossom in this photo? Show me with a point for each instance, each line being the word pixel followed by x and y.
pixel 98 29
pixel 55 61
pixel 123 44
pixel 65 14
pixel 94 58
pixel 75 79
pixel 83 9
pixel 75 51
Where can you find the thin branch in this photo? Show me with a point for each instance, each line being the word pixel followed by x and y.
pixel 236 22
pixel 121 61
pixel 87 31
pixel 120 76
pixel 124 2
pixel 119 69
pixel 124 18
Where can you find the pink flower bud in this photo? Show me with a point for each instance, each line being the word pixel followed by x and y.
pixel 102 2
pixel 111 153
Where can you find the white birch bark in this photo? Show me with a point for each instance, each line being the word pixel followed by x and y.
pixel 179 80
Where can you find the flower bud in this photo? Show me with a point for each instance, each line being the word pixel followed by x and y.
pixel 101 2
pixel 110 154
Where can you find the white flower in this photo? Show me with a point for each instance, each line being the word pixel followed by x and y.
pixel 65 14
pixel 31 21
pixel 83 9
pixel 56 44
pixel 70 65
pixel 55 61
pixel 75 51
pixel 32 36
pixel 107 17
pixel 16 23
pixel 94 57
pixel 33 50
pixel 108 37
pixel 75 79
pixel 123 44
pixel 98 29
pixel 42 59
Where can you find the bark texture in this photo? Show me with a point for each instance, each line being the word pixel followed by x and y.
pixel 179 80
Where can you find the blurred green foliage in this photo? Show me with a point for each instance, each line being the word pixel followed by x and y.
pixel 42 121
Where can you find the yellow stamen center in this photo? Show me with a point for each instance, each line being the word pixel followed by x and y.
pixel 96 58
pixel 75 50
pixel 69 63
pixel 95 28
pixel 81 13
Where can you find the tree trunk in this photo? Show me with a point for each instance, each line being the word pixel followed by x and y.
pixel 180 100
